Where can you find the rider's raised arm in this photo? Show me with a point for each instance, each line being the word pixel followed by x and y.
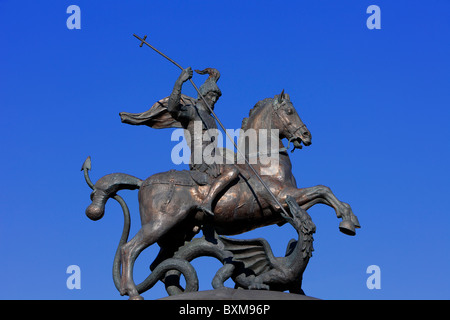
pixel 174 106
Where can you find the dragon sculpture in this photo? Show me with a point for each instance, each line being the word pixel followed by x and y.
pixel 251 263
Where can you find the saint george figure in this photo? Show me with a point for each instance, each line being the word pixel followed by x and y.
pixel 181 111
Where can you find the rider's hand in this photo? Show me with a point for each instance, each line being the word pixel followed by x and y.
pixel 186 74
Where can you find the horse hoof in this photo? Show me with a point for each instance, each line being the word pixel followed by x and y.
pixel 355 221
pixel 347 227
pixel 138 297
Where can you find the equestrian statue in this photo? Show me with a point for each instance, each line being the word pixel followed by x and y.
pixel 222 194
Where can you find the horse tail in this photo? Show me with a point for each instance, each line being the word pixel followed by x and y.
pixel 105 188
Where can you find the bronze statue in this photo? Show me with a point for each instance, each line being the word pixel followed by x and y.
pixel 236 197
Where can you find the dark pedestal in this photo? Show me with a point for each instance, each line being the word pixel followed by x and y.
pixel 233 294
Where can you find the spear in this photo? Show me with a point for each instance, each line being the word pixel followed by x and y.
pixel 217 119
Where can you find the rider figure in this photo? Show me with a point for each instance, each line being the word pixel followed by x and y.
pixel 188 115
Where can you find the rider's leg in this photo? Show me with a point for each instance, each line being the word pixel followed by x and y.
pixel 228 174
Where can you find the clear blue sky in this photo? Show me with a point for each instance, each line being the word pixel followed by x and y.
pixel 377 103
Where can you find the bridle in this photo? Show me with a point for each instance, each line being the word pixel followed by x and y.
pixel 276 106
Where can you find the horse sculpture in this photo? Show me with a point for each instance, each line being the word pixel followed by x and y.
pixel 168 201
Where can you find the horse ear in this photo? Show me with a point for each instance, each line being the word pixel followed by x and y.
pixel 281 96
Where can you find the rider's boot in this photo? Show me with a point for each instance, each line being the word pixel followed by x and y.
pixel 206 208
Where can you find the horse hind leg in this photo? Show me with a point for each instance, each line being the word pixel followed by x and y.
pixel 129 253
pixel 149 233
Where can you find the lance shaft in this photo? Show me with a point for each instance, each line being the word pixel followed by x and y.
pixel 218 121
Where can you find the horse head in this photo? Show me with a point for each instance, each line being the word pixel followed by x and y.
pixel 287 119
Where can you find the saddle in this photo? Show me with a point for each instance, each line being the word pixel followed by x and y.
pixel 188 178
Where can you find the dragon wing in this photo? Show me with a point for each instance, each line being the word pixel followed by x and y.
pixel 255 254
pixel 157 117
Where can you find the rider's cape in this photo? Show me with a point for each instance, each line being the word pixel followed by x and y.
pixel 157 117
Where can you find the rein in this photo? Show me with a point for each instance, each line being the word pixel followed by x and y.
pixel 275 107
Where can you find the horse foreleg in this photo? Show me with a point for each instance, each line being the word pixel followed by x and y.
pixel 307 197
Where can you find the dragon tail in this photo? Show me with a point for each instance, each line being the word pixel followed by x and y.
pixel 105 188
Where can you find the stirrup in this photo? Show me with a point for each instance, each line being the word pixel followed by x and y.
pixel 206 210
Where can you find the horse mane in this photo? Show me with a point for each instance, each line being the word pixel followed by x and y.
pixel 252 111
